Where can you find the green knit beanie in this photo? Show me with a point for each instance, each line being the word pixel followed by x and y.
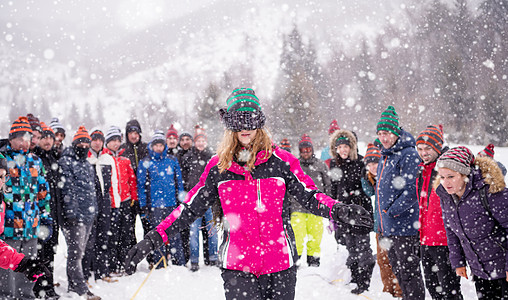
pixel 389 121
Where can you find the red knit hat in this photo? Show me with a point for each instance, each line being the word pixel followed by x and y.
pixel 172 132
pixel 432 136
pixel 20 127
pixel 305 142
pixel 47 131
pixel 81 136
pixel 459 159
pixel 488 151
pixel 34 123
pixel 285 145
pixel 199 132
pixel 334 126
pixel 373 154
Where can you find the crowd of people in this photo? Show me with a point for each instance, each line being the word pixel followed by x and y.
pixel 435 210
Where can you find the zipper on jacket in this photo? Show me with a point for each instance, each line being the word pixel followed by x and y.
pixel 377 192
pixel 258 183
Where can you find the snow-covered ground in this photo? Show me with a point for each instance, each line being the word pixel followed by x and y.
pixel 329 281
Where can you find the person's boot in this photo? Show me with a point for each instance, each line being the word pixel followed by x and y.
pixel 194 267
pixel 313 261
pixel 90 296
pixel 363 277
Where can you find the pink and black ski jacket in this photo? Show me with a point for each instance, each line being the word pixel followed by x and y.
pixel 257 233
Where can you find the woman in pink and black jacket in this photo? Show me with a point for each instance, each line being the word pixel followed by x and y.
pixel 248 183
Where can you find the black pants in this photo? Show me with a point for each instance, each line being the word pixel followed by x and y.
pixel 96 257
pixel 240 285
pixel 496 289
pixel 46 253
pixel 440 278
pixel 360 260
pixel 120 241
pixel 405 261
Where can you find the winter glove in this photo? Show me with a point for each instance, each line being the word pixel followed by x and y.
pixel 151 242
pixel 352 214
pixel 32 268
pixel 45 229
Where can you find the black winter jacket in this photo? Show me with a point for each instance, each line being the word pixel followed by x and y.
pixel 193 165
pixel 78 188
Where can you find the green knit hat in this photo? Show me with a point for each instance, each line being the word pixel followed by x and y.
pixel 243 111
pixel 389 121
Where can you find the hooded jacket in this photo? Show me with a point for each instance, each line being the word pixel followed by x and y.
pixel 258 237
pixel 346 178
pixel 134 152
pixel 396 201
pixel 471 232
pixel 78 187
pixel 26 194
pixel 159 180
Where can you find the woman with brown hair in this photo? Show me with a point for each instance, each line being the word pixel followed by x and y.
pixel 249 182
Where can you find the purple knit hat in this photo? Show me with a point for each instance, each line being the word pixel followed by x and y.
pixel 458 159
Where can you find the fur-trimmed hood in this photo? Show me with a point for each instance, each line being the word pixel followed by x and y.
pixel 490 172
pixel 353 154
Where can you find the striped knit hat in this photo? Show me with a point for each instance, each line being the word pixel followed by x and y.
pixel 81 136
pixel 459 159
pixel 172 132
pixel 285 145
pixel 305 142
pixel 243 111
pixel 488 151
pixel 389 121
pixel 158 137
pixel 334 126
pixel 373 154
pixel 57 126
pixel 19 128
pixel 97 134
pixel 432 136
pixel 34 123
pixel 199 132
pixel 47 131
pixel 114 132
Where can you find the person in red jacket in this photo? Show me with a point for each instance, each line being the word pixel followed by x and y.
pixel 248 184
pixel 440 278
pixel 123 195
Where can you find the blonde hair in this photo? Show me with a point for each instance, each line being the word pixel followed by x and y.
pixel 231 146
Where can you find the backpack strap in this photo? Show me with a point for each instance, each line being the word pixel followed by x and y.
pixel 485 202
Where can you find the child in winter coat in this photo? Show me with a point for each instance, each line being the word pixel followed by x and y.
pixel 249 181
pixel 304 223
pixel 474 201
pixel 159 186
pixel 371 160
pixel 345 172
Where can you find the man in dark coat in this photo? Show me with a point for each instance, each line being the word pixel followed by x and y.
pixel 135 150
pixel 79 208
pixel 397 204
pixel 47 249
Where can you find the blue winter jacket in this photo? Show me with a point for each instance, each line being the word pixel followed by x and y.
pixel 397 209
pixel 159 180
pixel 78 188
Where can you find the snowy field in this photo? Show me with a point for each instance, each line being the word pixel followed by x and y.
pixel 329 281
